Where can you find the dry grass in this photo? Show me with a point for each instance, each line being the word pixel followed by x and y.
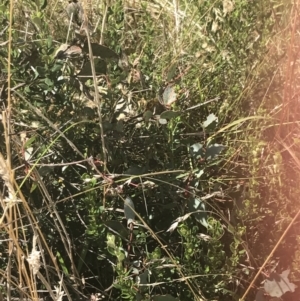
pixel 279 136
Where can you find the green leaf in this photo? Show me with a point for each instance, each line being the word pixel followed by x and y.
pixel 169 115
pixel 45 170
pixel 43 86
pixel 101 51
pixel 36 74
pixel 57 66
pixel 213 151
pixel 33 187
pixel 3 8
pixel 86 71
pixel 30 141
pixel 27 89
pixel 41 71
pixel 62 263
pixel 44 4
pixel 147 115
pixel 49 41
pixel 49 82
pixel 110 241
pixel 171 71
pixel 37 21
pixel 117 227
pixel 120 255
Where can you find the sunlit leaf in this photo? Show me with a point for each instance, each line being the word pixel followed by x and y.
pixel 28 153
pixel 129 210
pixel 210 120
pixel 67 51
pixel 162 121
pixel 173 227
pixel 204 237
pixel 169 95
pixel 195 205
pixel 35 124
pixel 110 241
pixel 278 284
pixel 197 151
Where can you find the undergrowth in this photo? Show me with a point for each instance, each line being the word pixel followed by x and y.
pixel 149 149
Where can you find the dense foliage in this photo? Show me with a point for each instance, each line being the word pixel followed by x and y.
pixel 150 174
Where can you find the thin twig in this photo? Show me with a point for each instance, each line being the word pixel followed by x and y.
pixel 97 96
pixel 64 164
pixel 7 125
pixel 8 109
pixel 103 23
